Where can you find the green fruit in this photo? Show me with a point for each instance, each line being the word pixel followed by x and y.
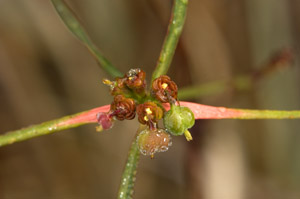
pixel 178 119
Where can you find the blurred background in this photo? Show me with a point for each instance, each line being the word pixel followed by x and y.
pixel 45 73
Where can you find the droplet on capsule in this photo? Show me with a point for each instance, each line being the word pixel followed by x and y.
pixel 153 141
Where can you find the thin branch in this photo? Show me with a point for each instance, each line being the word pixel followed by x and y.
pixel 73 24
pixel 243 82
pixel 174 31
pixel 200 111
pixel 211 112
pixel 129 173
pixel 53 126
pixel 282 59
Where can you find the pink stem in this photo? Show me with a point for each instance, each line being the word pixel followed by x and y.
pixel 200 111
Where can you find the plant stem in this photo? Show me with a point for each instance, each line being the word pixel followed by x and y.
pixel 200 111
pixel 163 64
pixel 174 31
pixel 211 112
pixel 53 126
pixel 129 173
pixel 280 60
pixel 73 24
pixel 243 82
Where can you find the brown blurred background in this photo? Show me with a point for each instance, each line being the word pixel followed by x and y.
pixel 45 73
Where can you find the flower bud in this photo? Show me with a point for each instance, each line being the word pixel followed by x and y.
pixel 149 112
pixel 178 119
pixel 123 108
pixel 153 141
pixel 104 120
pixel 164 89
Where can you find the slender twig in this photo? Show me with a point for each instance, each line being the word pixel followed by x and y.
pixel 53 126
pixel 200 111
pixel 163 64
pixel 129 173
pixel 242 82
pixel 280 60
pixel 174 31
pixel 73 24
pixel 211 112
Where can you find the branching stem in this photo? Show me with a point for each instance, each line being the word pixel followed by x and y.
pixel 174 31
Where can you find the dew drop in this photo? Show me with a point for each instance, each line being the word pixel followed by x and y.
pixel 144 152
pixel 164 148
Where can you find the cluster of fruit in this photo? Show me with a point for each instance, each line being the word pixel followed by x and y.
pixel 131 98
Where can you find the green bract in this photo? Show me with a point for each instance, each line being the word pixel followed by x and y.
pixel 178 119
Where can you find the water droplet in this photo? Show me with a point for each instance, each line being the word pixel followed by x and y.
pixel 121 194
pixel 164 148
pixel 124 181
pixel 144 152
pixel 133 72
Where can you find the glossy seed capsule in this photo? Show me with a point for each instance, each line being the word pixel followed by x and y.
pixel 153 141
pixel 178 119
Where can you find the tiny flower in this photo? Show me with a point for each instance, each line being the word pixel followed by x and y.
pixel 149 112
pixel 123 108
pixel 105 121
pixel 117 87
pixel 135 79
pixel 164 89
pixel 153 141
pixel 178 119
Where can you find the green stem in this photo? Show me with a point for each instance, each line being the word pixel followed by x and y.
pixel 73 24
pixel 242 82
pixel 128 176
pixel 37 130
pixel 49 127
pixel 267 114
pixel 202 90
pixel 174 31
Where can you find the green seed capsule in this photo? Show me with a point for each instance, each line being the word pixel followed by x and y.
pixel 178 119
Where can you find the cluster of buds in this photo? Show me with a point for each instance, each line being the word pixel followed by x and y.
pixel 131 98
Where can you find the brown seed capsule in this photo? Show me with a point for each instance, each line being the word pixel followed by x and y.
pixel 153 141
pixel 123 108
pixel 164 89
pixel 135 79
pixel 149 112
